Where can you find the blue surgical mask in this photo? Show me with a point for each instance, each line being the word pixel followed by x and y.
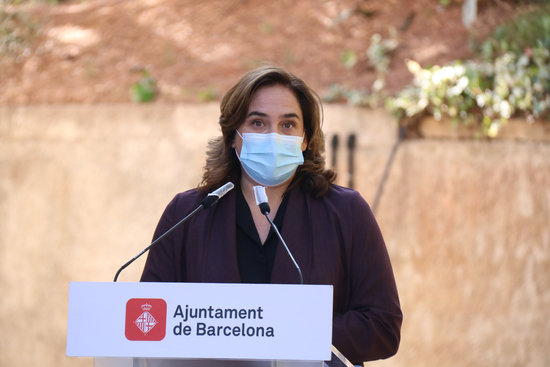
pixel 270 159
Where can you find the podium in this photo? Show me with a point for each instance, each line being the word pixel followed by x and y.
pixel 201 324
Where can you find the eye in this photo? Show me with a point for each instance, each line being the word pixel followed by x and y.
pixel 257 123
pixel 288 124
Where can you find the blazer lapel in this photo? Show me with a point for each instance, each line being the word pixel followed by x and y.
pixel 220 263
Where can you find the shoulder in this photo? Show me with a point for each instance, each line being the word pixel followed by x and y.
pixel 185 201
pixel 190 195
pixel 346 204
pixel 344 197
pixel 340 192
pixel 189 200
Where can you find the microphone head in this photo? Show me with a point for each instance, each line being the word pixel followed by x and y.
pixel 216 195
pixel 223 190
pixel 261 199
pixel 260 195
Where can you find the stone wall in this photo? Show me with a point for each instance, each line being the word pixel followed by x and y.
pixel 466 223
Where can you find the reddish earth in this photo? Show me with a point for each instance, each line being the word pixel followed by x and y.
pixel 93 51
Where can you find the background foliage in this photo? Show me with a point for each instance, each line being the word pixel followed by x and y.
pixel 509 77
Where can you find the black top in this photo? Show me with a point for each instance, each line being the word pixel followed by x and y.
pixel 256 260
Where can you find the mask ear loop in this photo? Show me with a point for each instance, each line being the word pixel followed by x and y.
pixel 236 153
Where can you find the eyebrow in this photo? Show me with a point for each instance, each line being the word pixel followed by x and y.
pixel 262 114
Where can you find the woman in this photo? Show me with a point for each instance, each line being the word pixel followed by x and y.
pixel 271 136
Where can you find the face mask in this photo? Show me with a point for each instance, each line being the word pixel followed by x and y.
pixel 270 159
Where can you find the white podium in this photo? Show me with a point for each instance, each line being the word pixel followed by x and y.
pixel 201 324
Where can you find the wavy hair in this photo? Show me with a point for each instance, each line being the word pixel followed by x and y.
pixel 222 164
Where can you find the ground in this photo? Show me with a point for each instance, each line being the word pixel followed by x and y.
pixel 86 51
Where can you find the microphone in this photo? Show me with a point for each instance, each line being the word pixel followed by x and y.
pixel 211 199
pixel 261 199
pixel 216 195
pixel 262 202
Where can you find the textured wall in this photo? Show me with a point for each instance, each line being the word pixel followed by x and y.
pixel 468 226
pixel 466 223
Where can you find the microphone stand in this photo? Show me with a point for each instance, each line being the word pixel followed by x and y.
pixel 264 208
pixel 262 202
pixel 207 202
pixel 198 209
pixel 284 244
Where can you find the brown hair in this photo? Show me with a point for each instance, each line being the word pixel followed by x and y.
pixel 222 164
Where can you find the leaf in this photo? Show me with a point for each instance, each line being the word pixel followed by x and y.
pixel 144 90
pixel 349 58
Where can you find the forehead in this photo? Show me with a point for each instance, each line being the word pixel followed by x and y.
pixel 275 98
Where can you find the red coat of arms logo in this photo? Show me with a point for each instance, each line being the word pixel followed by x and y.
pixel 145 319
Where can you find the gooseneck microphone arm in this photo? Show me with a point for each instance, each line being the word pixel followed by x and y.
pixel 207 202
pixel 261 201
pixel 197 209
pixel 286 247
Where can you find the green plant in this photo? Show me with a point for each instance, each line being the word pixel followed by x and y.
pixel 16 30
pixel 380 51
pixel 145 90
pixel 348 58
pixel 208 94
pixel 338 93
pixel 513 78
pixel 519 35
pixel 379 54
pixel 486 92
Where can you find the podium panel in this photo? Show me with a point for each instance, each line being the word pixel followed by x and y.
pixel 337 360
pixel 149 323
pixel 136 362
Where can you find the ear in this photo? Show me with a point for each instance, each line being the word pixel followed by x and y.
pixel 233 141
pixel 236 144
pixel 304 143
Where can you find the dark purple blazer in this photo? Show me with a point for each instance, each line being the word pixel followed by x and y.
pixel 334 239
